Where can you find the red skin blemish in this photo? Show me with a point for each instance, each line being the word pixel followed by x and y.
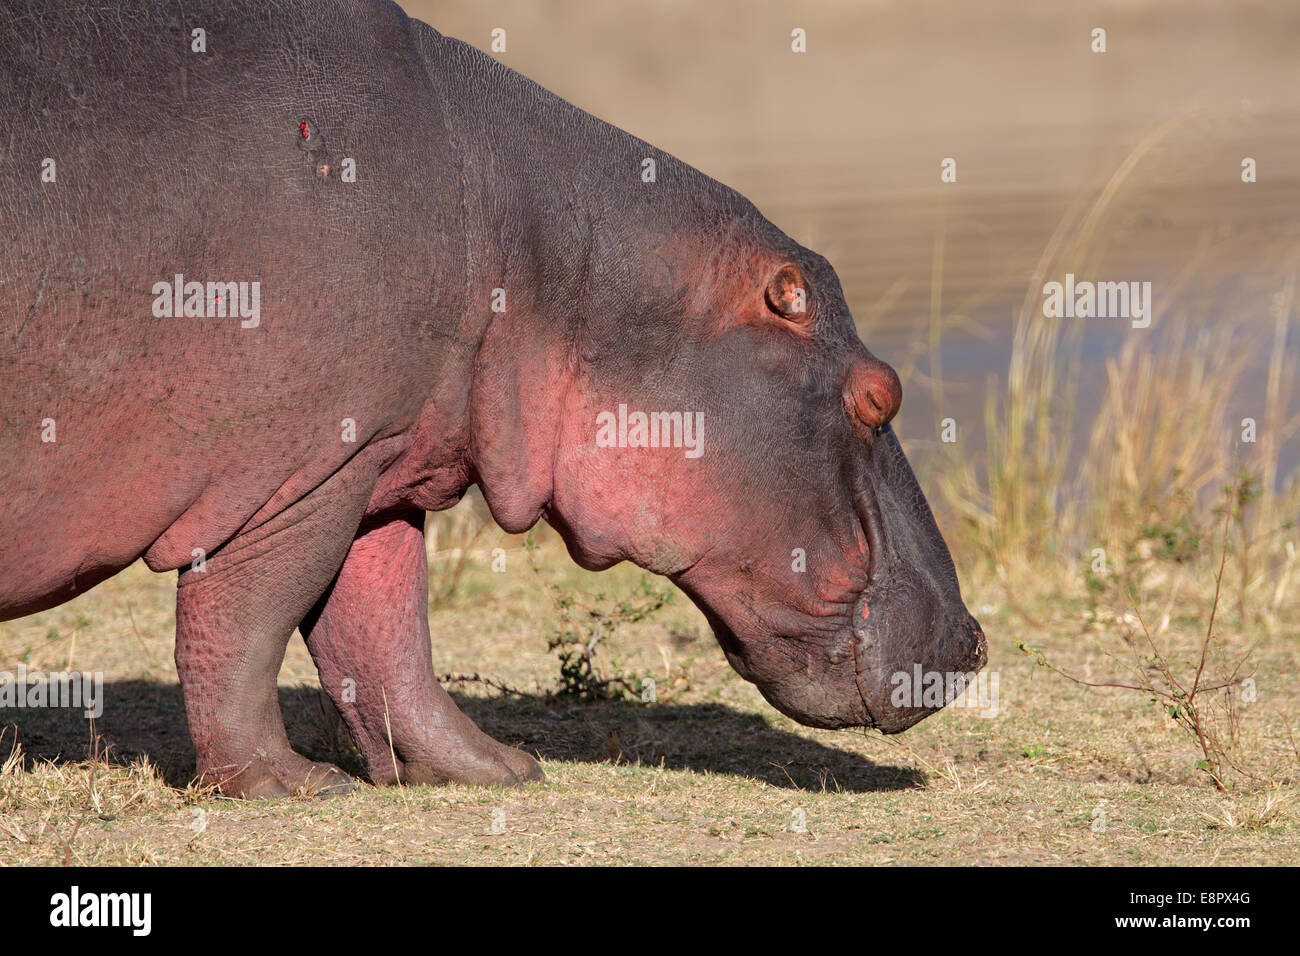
pixel 302 128
pixel 866 612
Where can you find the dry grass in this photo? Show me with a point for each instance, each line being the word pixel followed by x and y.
pixel 1159 447
pixel 707 774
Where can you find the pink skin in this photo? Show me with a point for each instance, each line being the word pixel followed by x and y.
pixel 344 557
pixel 296 456
pixel 401 719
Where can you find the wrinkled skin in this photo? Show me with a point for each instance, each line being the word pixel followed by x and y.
pixel 180 436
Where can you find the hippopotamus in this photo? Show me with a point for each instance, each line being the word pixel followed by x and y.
pixel 278 280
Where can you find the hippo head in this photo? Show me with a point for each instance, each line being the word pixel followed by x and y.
pixel 722 423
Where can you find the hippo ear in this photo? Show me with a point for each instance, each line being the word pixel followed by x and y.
pixel 787 295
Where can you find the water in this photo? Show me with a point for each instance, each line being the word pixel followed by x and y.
pixel 841 147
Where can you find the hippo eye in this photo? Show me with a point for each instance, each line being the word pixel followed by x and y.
pixel 787 295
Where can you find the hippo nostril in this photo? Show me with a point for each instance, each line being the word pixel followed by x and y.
pixel 881 400
pixel 872 395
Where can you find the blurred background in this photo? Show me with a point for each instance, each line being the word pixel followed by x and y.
pixel 1124 166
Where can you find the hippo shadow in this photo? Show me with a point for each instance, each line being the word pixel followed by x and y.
pixel 147 719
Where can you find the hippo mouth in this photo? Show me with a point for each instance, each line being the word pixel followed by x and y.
pixel 909 627
pixel 900 623
pixel 895 683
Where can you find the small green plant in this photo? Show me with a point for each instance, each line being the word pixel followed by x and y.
pixel 1179 542
pixel 582 627
pixel 1203 706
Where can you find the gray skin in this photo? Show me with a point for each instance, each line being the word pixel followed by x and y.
pixel 196 434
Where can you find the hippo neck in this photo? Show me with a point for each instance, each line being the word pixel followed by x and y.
pixel 562 214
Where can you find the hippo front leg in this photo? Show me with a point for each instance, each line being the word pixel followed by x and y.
pixel 369 636
pixel 234 617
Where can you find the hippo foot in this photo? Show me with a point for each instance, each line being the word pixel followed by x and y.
pixel 525 768
pixel 494 765
pixel 325 780
pixel 298 777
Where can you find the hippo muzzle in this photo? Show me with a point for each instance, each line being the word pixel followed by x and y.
pixel 916 646
pixel 898 645
pixel 905 673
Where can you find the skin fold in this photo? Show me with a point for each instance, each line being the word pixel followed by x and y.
pixel 497 274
